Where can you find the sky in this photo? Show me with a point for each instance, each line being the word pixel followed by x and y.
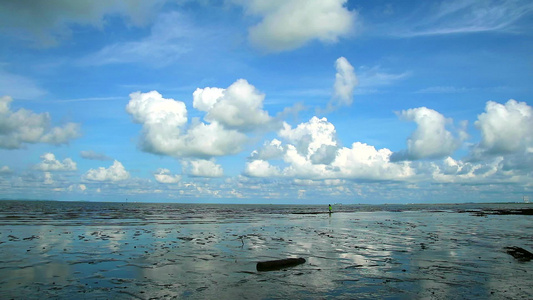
pixel 266 101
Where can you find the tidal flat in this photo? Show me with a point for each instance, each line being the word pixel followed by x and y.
pixel 87 250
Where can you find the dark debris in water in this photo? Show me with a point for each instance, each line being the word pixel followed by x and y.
pixel 482 213
pixel 520 254
pixel 272 265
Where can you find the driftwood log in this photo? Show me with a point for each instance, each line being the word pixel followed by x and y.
pixel 520 254
pixel 272 265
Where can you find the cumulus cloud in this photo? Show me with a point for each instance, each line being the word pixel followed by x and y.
pixel 301 166
pixel 505 128
pixel 270 150
pixel 24 126
pixel 77 188
pixel 287 25
pixel 47 23
pixel 210 140
pixel 48 179
pixel 204 168
pixel 90 154
pixel 164 129
pixel 230 113
pixel 326 154
pixel 204 99
pixel 519 161
pixel 114 173
pixel 61 135
pixel 489 171
pixel 261 168
pixel 165 176
pixel 343 88
pixel 240 106
pixel 345 82
pixel 5 170
pixel 309 137
pixel 430 139
pixel 452 170
pixel 361 161
pixel 312 152
pixel 49 163
pixel 152 109
pixel 364 161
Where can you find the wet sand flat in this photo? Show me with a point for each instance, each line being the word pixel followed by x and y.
pixel 146 251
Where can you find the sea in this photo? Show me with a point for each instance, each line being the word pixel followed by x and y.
pixel 91 250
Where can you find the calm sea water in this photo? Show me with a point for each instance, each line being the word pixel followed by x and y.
pixel 73 250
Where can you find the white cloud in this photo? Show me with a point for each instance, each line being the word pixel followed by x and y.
pixel 48 178
pixel 205 168
pixel 290 24
pixel 204 99
pixel 47 23
pixel 326 154
pixel 5 170
pixel 164 176
pixel 164 130
pixel 301 166
pixel 270 150
pixel 4 105
pixel 77 188
pixel 452 170
pixel 210 140
pixel 49 163
pixel 240 106
pixel 312 152
pixel 114 173
pixel 61 135
pixel 152 109
pixel 345 82
pixel 431 139
pixel 309 137
pixel 505 128
pixel 365 162
pixel 361 161
pixel 90 154
pixel 261 168
pixel 489 171
pixel 24 126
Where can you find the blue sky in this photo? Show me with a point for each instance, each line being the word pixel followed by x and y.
pixel 266 101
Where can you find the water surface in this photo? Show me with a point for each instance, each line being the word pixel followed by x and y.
pixel 70 250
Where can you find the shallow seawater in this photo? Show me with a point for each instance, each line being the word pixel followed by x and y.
pixel 72 250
